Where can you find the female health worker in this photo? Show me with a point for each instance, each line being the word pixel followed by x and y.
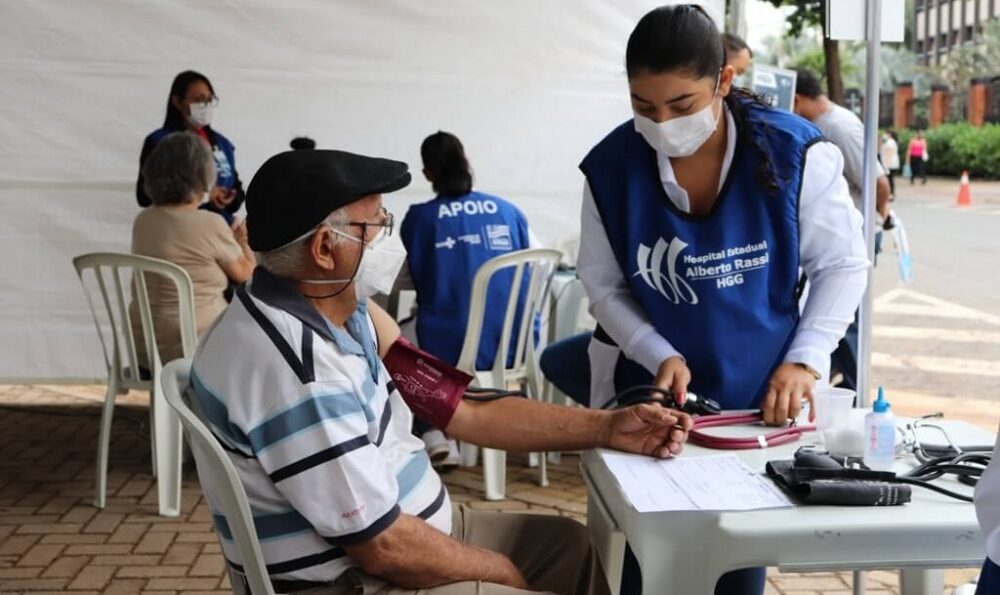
pixel 699 216
pixel 190 105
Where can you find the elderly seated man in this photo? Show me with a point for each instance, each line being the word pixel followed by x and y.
pixel 291 381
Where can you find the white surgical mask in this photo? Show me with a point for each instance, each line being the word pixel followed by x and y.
pixel 680 137
pixel 381 260
pixel 201 114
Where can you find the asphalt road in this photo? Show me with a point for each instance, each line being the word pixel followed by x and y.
pixel 939 335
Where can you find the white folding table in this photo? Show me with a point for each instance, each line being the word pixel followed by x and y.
pixel 686 552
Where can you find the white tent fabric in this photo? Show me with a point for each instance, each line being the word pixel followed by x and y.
pixel 529 86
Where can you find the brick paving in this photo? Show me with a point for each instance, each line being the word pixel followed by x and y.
pixel 52 540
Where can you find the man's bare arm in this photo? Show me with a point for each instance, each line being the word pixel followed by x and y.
pixel 414 555
pixel 517 424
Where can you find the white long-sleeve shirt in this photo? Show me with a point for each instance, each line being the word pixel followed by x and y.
pixel 831 252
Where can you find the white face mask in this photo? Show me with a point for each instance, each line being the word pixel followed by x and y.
pixel 381 260
pixel 201 114
pixel 680 137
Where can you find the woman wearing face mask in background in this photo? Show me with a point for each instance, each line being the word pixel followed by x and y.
pixel 189 108
pixel 697 216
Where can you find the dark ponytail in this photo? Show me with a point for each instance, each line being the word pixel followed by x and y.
pixel 446 164
pixel 682 37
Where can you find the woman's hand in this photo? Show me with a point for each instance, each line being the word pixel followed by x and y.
pixel 673 375
pixel 240 232
pixel 221 197
pixel 790 383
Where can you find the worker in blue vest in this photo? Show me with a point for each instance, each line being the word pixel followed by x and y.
pixel 447 239
pixel 699 216
pixel 190 106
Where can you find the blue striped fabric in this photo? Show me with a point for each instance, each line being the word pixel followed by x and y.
pixel 314 409
pixel 327 458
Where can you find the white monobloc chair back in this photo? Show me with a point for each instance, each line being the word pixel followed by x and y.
pixel 534 267
pixel 115 277
pixel 213 461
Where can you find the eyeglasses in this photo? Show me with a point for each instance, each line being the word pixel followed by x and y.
pixel 384 220
pixel 212 101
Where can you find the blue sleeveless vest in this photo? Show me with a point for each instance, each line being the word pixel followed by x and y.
pixel 447 239
pixel 222 152
pixel 720 287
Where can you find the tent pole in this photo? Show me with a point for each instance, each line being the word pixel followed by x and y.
pixel 872 86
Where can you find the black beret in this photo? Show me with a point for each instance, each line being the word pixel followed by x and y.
pixel 295 190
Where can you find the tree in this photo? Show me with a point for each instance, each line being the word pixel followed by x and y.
pixel 811 13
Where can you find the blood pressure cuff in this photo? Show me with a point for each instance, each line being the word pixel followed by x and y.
pixel 818 478
pixel 431 388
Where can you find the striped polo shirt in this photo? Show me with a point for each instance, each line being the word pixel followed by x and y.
pixel 320 436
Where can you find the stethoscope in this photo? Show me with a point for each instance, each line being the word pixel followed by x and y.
pixel 707 413
pixel 966 463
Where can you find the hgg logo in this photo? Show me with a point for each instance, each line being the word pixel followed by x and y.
pixel 670 285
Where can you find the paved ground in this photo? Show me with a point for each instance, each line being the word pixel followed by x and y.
pixel 936 341
pixel 936 344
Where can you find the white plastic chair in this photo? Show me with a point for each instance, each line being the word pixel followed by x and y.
pixel 211 460
pixel 566 304
pixel 113 273
pixel 537 267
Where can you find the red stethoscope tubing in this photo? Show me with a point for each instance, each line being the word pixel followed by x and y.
pixel 775 438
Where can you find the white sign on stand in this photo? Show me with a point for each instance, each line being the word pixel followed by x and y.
pixel 846 20
pixel 775 85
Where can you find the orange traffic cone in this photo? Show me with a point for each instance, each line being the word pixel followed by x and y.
pixel 964 197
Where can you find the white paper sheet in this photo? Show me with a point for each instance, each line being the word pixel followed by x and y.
pixel 717 482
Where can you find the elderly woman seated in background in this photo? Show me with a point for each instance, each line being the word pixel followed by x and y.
pixel 177 176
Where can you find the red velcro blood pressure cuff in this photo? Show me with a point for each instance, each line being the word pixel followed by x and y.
pixel 432 388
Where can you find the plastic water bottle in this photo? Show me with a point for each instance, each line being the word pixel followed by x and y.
pixel 880 435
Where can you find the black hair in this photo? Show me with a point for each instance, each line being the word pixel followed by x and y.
pixel 675 37
pixel 734 44
pixel 683 37
pixel 174 118
pixel 445 162
pixel 807 83
pixel 300 143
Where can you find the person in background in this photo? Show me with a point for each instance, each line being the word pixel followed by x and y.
pixel 302 143
pixel 447 239
pixel 889 156
pixel 845 130
pixel 190 105
pixel 177 176
pixel 738 53
pixel 916 156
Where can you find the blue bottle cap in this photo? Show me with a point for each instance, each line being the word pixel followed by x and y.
pixel 880 405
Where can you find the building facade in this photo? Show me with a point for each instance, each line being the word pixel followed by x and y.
pixel 941 25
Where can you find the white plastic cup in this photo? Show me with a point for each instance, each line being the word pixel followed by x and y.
pixel 833 408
